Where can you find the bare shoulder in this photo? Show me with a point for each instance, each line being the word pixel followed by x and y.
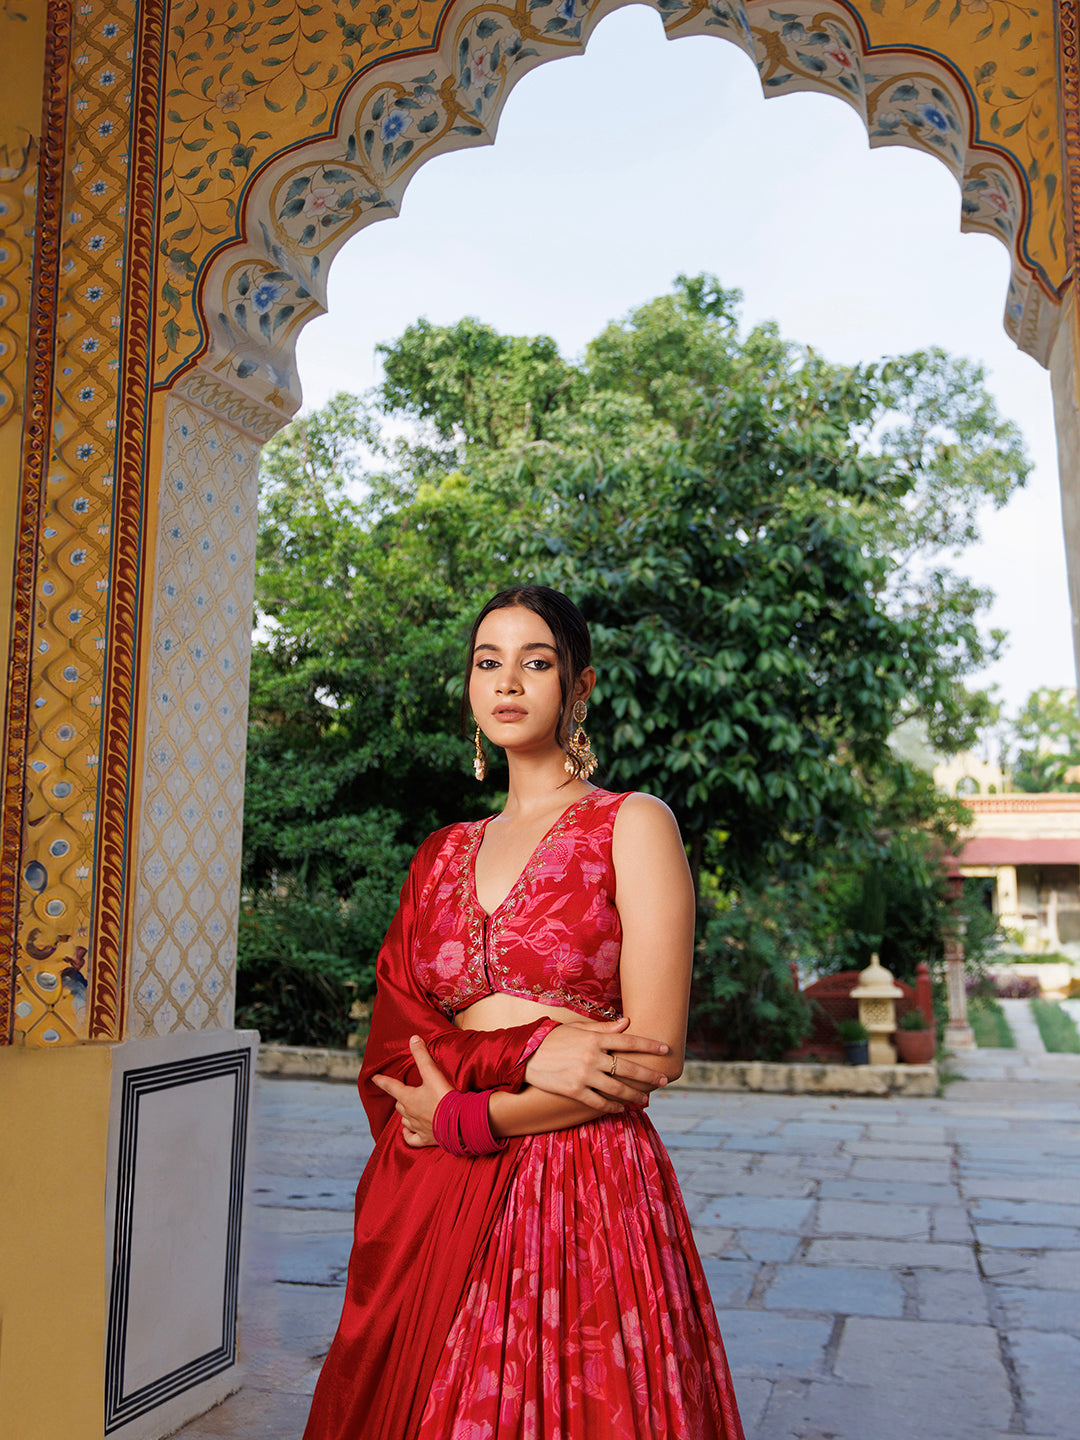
pixel 643 826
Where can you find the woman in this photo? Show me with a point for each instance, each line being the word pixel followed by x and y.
pixel 523 1264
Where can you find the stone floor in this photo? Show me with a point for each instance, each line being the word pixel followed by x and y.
pixel 882 1269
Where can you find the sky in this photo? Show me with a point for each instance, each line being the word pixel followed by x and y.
pixel 615 171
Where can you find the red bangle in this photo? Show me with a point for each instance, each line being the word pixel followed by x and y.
pixel 461 1124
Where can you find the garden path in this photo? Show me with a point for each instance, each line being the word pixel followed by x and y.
pixel 882 1269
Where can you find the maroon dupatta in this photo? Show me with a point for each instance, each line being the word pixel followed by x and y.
pixel 422 1216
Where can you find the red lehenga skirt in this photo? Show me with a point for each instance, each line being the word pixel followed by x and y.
pixel 555 1294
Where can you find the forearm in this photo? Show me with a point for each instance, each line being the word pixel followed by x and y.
pixel 535 1112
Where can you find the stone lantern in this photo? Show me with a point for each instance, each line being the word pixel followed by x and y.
pixel 877 994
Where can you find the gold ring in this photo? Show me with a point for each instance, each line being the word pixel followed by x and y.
pixel 614 1062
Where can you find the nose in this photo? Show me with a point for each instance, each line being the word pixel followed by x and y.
pixel 507 684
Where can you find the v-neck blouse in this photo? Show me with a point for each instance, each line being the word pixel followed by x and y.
pixel 556 938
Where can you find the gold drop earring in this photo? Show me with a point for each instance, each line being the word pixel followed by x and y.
pixel 479 763
pixel 580 761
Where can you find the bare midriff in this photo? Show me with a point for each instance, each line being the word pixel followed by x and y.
pixel 503 1012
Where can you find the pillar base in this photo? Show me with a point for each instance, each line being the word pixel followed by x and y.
pixel 882 1051
pixel 157 1129
pixel 959 1037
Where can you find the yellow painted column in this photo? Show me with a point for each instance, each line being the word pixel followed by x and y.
pixel 52 1273
pixel 22 61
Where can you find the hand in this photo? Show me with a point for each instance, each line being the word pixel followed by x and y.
pixel 416 1103
pixel 574 1061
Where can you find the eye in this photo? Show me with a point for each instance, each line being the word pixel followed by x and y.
pixel 486 664
pixel 538 664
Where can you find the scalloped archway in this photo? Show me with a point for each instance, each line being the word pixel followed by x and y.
pixel 232 320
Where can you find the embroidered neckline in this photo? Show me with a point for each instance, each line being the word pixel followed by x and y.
pixel 531 865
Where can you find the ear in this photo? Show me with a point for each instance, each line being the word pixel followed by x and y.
pixel 583 686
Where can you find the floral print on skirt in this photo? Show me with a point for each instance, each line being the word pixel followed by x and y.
pixel 589 1316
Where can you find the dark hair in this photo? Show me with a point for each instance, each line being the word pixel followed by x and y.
pixel 573 648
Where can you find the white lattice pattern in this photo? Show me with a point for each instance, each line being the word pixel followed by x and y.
pixel 188 845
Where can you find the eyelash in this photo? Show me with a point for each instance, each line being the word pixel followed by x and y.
pixel 537 664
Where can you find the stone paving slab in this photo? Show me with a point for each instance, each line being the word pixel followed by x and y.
pixel 933 1374
pixel 1055 1310
pixel 952 1295
pixel 883 1268
pixel 1047 1368
pixel 834 1290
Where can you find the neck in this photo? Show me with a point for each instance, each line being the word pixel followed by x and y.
pixel 538 783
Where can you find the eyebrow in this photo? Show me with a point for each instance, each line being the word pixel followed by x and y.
pixel 536 645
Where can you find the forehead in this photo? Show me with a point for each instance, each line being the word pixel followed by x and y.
pixel 514 628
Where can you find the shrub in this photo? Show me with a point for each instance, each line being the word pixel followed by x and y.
pixel 1016 987
pixel 913 1020
pixel 303 955
pixel 852 1032
pixel 743 1001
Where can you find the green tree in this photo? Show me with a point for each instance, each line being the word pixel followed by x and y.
pixel 750 529
pixel 1046 734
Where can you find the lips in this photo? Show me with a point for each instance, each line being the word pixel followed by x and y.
pixel 509 712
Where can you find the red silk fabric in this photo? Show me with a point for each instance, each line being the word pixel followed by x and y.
pixel 422 1216
pixel 550 1291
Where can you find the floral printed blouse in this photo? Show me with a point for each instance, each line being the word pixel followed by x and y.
pixel 556 938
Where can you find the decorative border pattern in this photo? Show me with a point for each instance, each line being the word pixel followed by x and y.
pixel 122 1407
pixel 108 992
pixel 1069 77
pixel 37 425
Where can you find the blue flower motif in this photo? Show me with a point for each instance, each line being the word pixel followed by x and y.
pixel 98 187
pixel 933 116
pixel 86 394
pixel 83 452
pixel 395 124
pixel 265 295
pixel 107 78
pixel 89 345
pixel 105 128
pixel 96 242
pixel 110 29
pixel 94 292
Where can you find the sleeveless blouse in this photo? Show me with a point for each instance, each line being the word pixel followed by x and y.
pixel 555 939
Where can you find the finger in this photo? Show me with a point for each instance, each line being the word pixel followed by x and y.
pixel 430 1074
pixel 624 1094
pixel 609 1027
pixel 607 1106
pixel 393 1088
pixel 601 1103
pixel 631 1070
pixel 636 1042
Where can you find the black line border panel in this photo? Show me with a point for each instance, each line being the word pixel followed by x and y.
pixel 121 1407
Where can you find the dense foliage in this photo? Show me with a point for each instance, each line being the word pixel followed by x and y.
pixel 759 540
pixel 1046 737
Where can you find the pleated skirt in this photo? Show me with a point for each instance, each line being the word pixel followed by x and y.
pixel 586 1315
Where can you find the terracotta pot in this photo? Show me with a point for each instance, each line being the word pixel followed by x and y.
pixel 915 1047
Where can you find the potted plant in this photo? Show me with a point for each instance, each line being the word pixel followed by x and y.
pixel 856 1041
pixel 916 1038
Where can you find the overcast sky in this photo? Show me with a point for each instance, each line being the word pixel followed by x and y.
pixel 615 172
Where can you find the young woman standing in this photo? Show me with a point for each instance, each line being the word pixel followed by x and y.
pixel 523 1264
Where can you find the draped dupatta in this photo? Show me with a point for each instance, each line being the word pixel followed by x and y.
pixel 422 1216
